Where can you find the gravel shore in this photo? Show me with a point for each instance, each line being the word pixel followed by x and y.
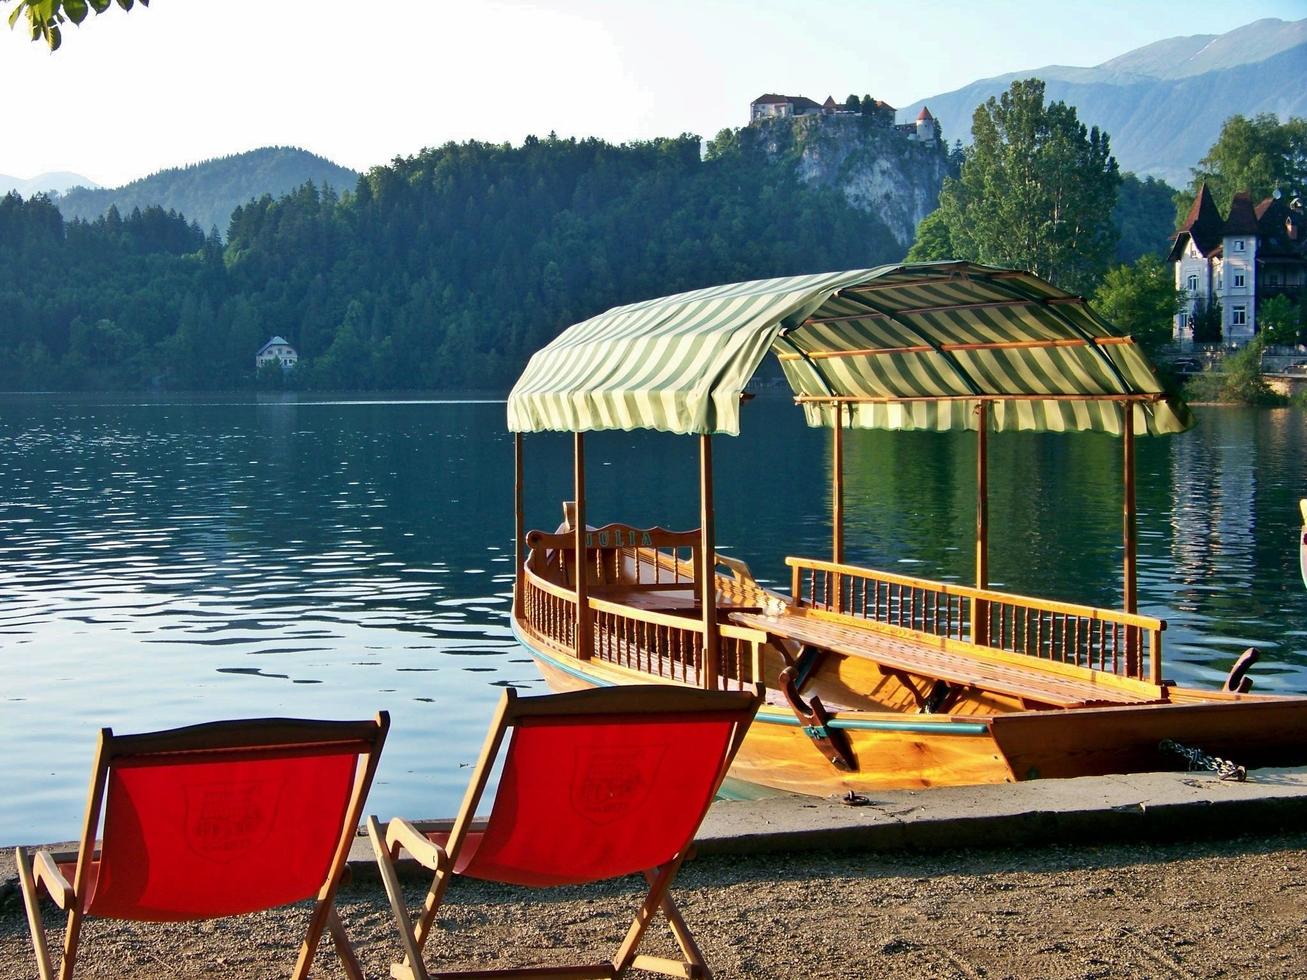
pixel 1215 909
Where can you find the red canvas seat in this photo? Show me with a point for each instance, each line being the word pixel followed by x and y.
pixel 594 785
pixel 210 821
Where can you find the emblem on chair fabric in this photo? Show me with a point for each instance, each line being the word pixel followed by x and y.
pixel 610 783
pixel 230 816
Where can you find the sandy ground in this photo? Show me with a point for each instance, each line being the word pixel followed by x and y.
pixel 1228 909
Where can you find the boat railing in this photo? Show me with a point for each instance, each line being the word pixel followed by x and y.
pixel 656 642
pixel 619 555
pixel 1125 644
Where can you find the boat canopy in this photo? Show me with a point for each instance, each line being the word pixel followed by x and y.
pixel 910 347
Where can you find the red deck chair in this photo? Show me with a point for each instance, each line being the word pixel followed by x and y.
pixel 209 821
pixel 595 784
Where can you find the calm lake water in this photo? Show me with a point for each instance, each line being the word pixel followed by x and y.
pixel 170 561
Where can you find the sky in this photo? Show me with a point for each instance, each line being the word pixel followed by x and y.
pixel 361 83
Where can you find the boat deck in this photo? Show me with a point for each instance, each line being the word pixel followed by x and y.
pixel 898 654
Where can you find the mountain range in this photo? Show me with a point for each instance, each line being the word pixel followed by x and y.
pixel 1162 104
pixel 55 182
pixel 207 193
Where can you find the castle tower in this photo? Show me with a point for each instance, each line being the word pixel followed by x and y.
pixel 927 128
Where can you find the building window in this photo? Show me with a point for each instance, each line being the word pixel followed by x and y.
pixel 1238 244
pixel 1193 284
pixel 1239 316
pixel 1238 280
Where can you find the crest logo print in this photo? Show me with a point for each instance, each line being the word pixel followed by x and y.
pixel 610 783
pixel 224 818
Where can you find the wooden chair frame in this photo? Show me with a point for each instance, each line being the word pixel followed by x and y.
pixel 40 871
pixel 401 835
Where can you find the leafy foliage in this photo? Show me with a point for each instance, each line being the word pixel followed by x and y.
pixel 1280 320
pixel 1239 381
pixel 45 16
pixel 1207 321
pixel 1144 217
pixel 933 243
pixel 446 269
pixel 1036 191
pixel 1141 299
pixel 1257 155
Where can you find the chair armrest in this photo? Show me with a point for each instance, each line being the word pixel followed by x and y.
pixel 47 873
pixel 426 852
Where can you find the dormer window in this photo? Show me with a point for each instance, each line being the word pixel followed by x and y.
pixel 1238 244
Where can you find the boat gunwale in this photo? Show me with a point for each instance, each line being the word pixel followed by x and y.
pixel 768 713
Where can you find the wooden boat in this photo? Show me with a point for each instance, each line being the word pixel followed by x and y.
pixel 872 679
pixel 1302 541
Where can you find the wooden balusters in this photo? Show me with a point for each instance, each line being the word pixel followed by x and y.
pixel 1063 632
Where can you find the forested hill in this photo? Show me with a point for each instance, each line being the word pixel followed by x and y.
pixel 443 270
pixel 208 192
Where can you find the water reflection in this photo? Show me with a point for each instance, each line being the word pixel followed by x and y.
pixel 167 562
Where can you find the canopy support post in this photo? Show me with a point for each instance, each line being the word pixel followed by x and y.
pixel 708 565
pixel 584 643
pixel 837 503
pixel 1130 593
pixel 519 531
pixel 979 607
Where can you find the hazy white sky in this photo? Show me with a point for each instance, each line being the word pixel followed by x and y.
pixel 185 80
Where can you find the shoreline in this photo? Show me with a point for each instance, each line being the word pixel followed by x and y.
pixel 1221 908
pixel 1157 874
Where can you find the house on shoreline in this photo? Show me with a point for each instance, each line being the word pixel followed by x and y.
pixel 277 350
pixel 1239 261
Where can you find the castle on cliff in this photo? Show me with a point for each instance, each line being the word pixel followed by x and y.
pixel 768 107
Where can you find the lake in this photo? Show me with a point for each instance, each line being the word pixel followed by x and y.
pixel 171 560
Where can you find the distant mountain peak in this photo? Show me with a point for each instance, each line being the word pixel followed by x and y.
pixel 1163 104
pixel 208 191
pixel 1196 54
pixel 52 182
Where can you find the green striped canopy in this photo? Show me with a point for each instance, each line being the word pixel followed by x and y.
pixel 895 347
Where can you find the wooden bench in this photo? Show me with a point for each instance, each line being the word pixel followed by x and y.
pixel 894 654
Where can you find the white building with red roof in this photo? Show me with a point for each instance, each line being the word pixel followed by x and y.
pixel 1252 254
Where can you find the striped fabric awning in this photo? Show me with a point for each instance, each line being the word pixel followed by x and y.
pixel 895 347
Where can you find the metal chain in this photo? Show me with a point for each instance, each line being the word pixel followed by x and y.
pixel 1198 759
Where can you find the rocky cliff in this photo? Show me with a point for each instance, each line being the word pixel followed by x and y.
pixel 878 169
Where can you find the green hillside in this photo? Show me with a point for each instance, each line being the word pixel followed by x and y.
pixel 443 270
pixel 208 192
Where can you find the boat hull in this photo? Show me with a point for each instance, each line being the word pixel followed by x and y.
pixel 909 751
